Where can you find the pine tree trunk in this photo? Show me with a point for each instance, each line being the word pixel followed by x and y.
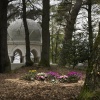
pixel 92 81
pixel 56 45
pixel 69 30
pixel 5 65
pixel 52 44
pixel 90 26
pixel 45 58
pixel 28 60
pixel 88 81
pixel 72 20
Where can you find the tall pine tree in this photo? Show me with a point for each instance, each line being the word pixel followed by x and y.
pixel 45 59
pixel 5 65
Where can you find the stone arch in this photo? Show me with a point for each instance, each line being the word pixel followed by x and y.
pixel 17 52
pixel 35 53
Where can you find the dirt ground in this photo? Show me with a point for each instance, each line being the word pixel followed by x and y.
pixel 12 88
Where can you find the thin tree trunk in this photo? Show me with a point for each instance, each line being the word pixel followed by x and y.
pixel 91 80
pixel 28 60
pixel 45 56
pixel 88 80
pixel 90 33
pixel 56 47
pixel 5 65
pixel 52 43
pixel 90 86
pixel 90 26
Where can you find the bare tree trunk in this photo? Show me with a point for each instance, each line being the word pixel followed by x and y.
pixel 72 19
pixel 52 45
pixel 88 80
pixel 28 60
pixel 92 80
pixel 45 58
pixel 69 30
pixel 56 47
pixel 5 65
pixel 90 26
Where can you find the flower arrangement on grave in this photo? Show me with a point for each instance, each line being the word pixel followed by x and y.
pixel 30 76
pixel 52 76
pixel 73 76
pixel 63 78
pixel 41 76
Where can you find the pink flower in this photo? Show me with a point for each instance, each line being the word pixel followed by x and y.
pixel 63 76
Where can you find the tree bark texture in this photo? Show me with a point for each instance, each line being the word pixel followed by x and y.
pixel 92 80
pixel 45 59
pixel 88 81
pixel 71 20
pixel 28 60
pixel 5 65
pixel 69 31
pixel 90 26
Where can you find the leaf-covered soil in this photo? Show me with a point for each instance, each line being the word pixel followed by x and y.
pixel 12 88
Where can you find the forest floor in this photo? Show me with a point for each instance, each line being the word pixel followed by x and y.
pixel 12 88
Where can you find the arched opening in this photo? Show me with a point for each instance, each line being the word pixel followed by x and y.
pixel 34 56
pixel 17 56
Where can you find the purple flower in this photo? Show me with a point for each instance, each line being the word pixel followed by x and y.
pixel 74 74
pixel 54 74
